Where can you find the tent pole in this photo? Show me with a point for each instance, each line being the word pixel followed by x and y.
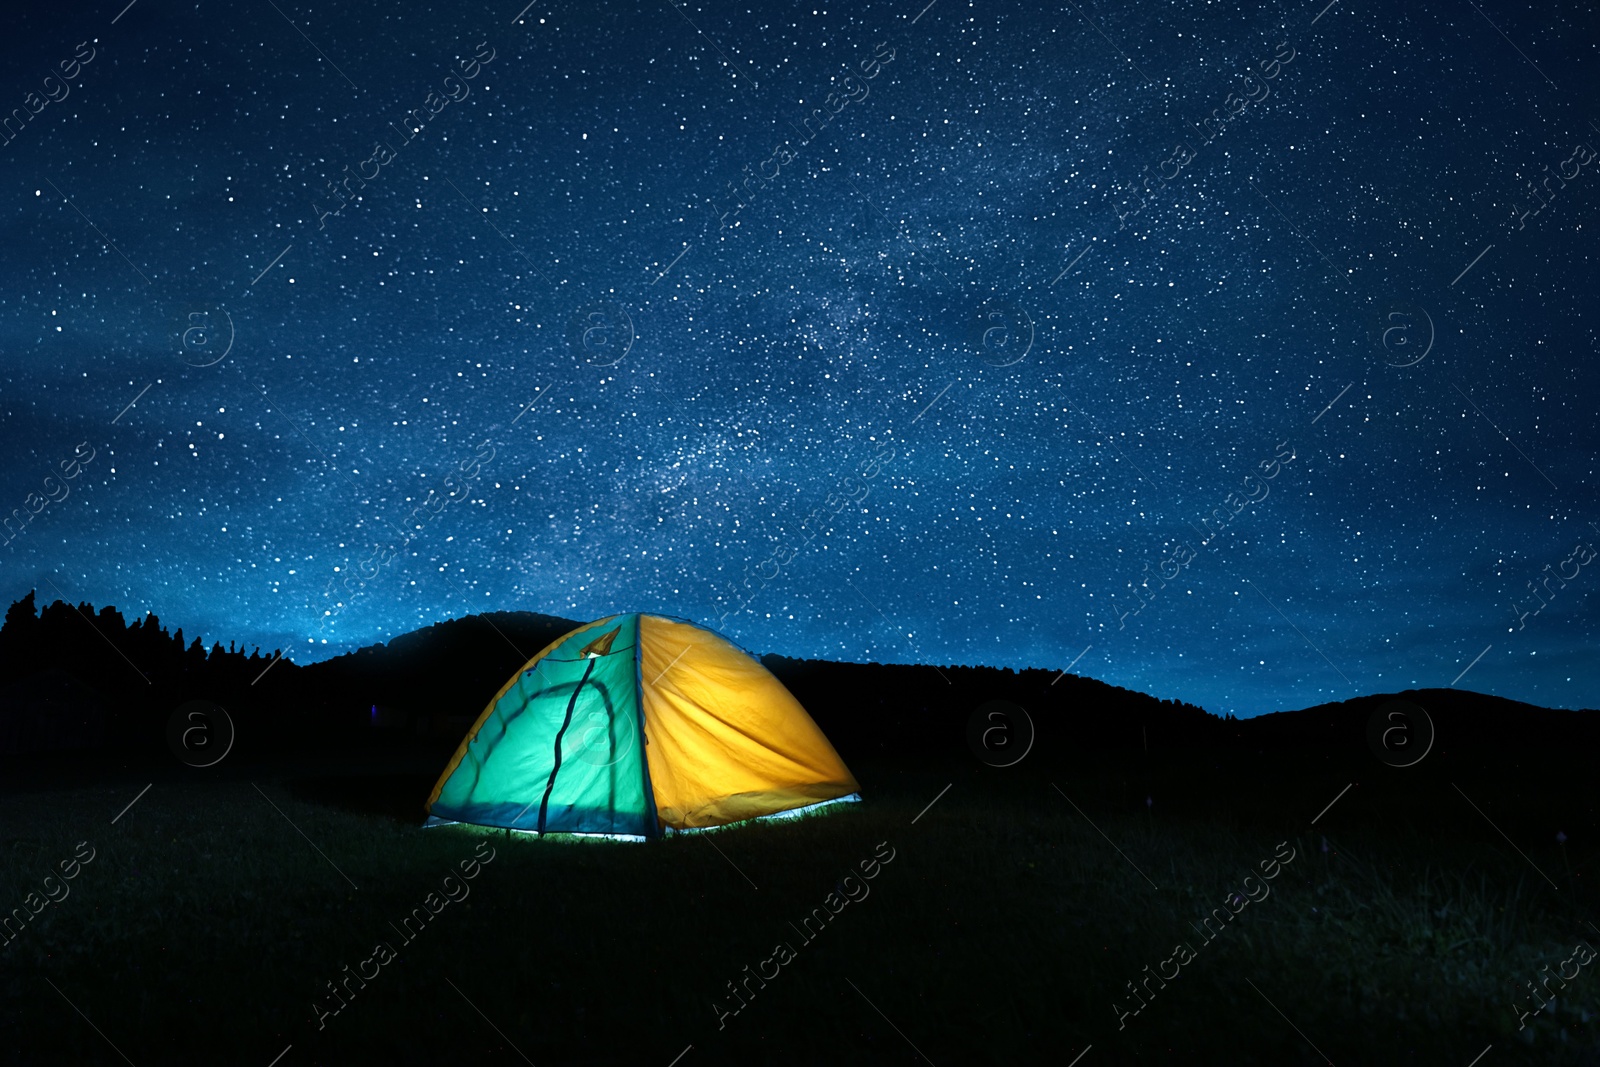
pixel 550 785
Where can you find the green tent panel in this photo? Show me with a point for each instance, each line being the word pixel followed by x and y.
pixel 557 749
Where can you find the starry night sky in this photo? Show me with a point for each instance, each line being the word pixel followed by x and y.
pixel 946 335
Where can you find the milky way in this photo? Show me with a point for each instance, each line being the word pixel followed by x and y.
pixel 1237 355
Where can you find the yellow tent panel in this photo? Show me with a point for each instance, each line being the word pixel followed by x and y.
pixel 726 740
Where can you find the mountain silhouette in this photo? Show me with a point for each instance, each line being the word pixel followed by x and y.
pixel 77 678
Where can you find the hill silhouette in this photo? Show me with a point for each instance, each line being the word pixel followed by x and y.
pixel 77 678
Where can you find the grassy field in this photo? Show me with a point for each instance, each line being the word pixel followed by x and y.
pixel 1011 917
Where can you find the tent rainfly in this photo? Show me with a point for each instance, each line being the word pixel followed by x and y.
pixel 636 725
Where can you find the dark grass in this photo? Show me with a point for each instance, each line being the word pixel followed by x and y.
pixel 1001 932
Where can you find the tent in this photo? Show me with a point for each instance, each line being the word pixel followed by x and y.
pixel 635 725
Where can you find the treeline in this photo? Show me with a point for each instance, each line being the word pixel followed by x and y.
pixel 77 677
pixel 73 677
pixel 48 638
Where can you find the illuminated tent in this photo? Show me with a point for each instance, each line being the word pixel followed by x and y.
pixel 558 749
